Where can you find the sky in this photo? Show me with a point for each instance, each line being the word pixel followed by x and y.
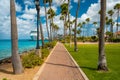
pixel 26 15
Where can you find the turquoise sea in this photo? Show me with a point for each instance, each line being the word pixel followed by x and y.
pixel 23 45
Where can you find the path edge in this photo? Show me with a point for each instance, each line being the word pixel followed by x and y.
pixel 81 71
pixel 36 76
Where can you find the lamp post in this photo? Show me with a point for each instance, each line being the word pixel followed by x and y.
pixel 38 11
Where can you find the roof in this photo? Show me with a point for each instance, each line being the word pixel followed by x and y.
pixel 117 32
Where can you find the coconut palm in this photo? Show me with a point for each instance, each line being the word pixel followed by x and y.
pixel 46 18
pixel 64 12
pixel 117 7
pixel 50 5
pixel 75 38
pixel 87 21
pixel 110 12
pixel 102 63
pixel 95 23
pixel 51 16
pixel 16 63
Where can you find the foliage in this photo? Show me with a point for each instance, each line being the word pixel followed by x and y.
pixel 114 40
pixel 4 79
pixel 50 45
pixel 94 38
pixel 45 52
pixel 31 60
pixel 87 57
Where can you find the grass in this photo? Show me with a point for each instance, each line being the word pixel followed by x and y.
pixel 87 58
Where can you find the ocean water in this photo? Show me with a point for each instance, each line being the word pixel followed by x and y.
pixel 23 45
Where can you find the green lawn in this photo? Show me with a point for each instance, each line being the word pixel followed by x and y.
pixel 87 58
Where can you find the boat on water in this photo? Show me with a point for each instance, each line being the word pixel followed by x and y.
pixel 33 35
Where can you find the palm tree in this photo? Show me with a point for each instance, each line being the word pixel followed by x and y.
pixel 50 5
pixel 46 19
pixel 75 38
pixel 110 12
pixel 16 63
pixel 51 16
pixel 87 21
pixel 80 26
pixel 62 18
pixel 95 23
pixel 83 24
pixel 102 63
pixel 117 7
pixel 64 12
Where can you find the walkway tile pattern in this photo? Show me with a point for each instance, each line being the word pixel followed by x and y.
pixel 60 66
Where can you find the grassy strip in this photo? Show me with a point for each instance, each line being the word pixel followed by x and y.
pixel 87 58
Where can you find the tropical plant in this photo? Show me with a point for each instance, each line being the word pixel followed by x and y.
pixel 75 38
pixel 102 63
pixel 110 12
pixel 117 7
pixel 51 16
pixel 46 19
pixel 87 21
pixel 16 62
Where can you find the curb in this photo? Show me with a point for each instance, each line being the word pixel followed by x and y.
pixel 36 77
pixel 83 74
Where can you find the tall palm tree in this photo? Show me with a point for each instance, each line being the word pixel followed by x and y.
pixel 80 26
pixel 50 5
pixel 16 63
pixel 110 12
pixel 83 24
pixel 46 19
pixel 62 18
pixel 117 7
pixel 64 12
pixel 95 23
pixel 75 38
pixel 102 63
pixel 51 16
pixel 87 21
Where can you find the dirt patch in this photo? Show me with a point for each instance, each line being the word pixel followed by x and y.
pixel 6 71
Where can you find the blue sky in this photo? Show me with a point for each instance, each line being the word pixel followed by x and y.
pixel 26 15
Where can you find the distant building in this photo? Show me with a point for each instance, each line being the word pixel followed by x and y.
pixel 117 34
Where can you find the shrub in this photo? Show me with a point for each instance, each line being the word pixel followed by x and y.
pixel 50 44
pixel 45 52
pixel 114 40
pixel 31 60
pixel 94 38
pixel 4 79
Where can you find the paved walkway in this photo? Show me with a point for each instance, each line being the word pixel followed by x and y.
pixel 59 66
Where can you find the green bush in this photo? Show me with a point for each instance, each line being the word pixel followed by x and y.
pixel 114 40
pixel 45 52
pixel 50 44
pixel 31 60
pixel 94 38
pixel 4 79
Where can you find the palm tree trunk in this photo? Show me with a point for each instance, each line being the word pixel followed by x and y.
pixel 102 64
pixel 41 31
pixel 46 20
pixel 16 62
pixel 75 38
pixel 117 20
pixel 69 21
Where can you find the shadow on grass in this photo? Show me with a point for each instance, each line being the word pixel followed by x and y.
pixel 90 68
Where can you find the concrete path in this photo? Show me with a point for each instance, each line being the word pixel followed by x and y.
pixel 60 66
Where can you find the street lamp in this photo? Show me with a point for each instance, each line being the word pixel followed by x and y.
pixel 38 10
